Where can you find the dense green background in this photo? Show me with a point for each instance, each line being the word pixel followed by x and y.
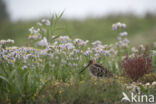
pixel 140 29
pixel 45 85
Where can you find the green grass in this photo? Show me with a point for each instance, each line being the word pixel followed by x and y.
pixel 140 29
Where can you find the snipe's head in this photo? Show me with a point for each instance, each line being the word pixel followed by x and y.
pixel 89 63
pixel 92 62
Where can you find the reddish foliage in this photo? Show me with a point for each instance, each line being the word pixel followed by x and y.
pixel 137 66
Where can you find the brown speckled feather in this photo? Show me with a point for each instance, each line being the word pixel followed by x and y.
pixel 97 70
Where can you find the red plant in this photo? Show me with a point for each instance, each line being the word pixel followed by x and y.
pixel 135 67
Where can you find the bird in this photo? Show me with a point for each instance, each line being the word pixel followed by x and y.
pixel 97 70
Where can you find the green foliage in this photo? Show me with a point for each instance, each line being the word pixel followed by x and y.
pixel 50 74
pixel 151 77
pixel 141 30
pixel 93 91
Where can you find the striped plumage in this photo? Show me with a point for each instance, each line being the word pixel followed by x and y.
pixel 97 70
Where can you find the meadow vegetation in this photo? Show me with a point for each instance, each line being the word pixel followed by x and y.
pixel 141 29
pixel 42 65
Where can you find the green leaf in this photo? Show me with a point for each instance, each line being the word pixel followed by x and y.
pixel 3 78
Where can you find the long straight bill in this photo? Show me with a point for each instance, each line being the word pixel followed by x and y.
pixel 84 68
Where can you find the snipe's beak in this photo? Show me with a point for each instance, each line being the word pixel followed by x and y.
pixel 84 68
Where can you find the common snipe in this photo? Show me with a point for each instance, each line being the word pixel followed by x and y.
pixel 97 70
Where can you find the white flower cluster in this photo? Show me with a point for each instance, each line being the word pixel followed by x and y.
pixel 34 33
pixel 96 43
pixel 142 47
pixel 64 39
pixel 123 34
pixel 80 42
pixel 118 25
pixel 46 22
pixel 104 50
pixel 9 41
pixel 40 32
pixel 3 43
pixel 134 50
pixel 88 52
pixel 43 42
pixel 123 42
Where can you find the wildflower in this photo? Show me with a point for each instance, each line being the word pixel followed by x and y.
pixel 80 42
pixel 54 37
pixel 123 34
pixel 126 40
pixel 64 61
pixel 10 41
pixel 88 52
pixel 77 40
pixel 34 33
pixel 35 37
pixel 31 30
pixel 61 46
pixel 133 49
pixel 119 38
pixel 24 67
pixel 114 27
pixel 74 64
pixel 118 25
pixel 85 42
pixel 84 65
pixel 123 25
pixel 69 46
pixel 64 39
pixel 132 55
pixel 39 23
pixel 47 22
pixel 43 20
pixel 5 57
pixel 100 51
pixel 142 47
pixel 4 42
pixel 96 43
pixel 70 64
pixel 76 51
pixel 122 44
pixel 43 42
pixel 11 61
pixel 96 56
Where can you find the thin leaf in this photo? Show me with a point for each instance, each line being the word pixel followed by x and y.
pixel 3 78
